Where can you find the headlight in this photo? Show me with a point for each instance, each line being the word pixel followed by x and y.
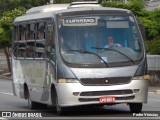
pixel 62 80
pixel 145 77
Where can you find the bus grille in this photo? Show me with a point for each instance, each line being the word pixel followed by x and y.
pixel 111 92
pixel 105 81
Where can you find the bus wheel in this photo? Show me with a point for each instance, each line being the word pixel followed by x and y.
pixel 59 109
pixel 32 105
pixel 135 107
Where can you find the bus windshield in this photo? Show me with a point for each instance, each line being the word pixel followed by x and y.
pixel 115 39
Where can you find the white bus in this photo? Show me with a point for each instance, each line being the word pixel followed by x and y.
pixel 61 57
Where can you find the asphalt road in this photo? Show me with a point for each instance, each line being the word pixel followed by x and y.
pixel 11 103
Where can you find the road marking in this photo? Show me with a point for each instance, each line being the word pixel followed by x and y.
pixel 3 118
pixel 6 93
pixel 154 99
pixel 151 92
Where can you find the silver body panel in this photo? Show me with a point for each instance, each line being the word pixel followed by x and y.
pixel 66 97
pixel 104 72
pixel 65 90
pixel 33 73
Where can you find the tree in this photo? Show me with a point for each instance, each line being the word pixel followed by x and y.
pixel 136 6
pixel 151 27
pixel 155 15
pixel 29 3
pixel 6 5
pixel 9 10
pixel 5 30
pixel 154 46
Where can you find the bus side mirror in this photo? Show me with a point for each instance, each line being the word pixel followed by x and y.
pixel 142 28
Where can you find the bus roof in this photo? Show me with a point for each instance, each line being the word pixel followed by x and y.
pixel 47 8
pixel 55 7
pixel 47 11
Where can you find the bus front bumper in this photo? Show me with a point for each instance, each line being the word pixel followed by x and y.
pixel 75 94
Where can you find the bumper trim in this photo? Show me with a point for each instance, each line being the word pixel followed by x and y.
pixel 97 99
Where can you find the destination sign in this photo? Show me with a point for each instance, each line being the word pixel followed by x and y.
pixel 79 21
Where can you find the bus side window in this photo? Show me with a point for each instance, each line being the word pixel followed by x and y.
pixel 39 51
pixel 15 49
pixel 28 37
pixel 40 40
pixel 50 43
pixel 22 50
pixel 41 30
pixel 16 38
pixel 31 31
pixel 15 41
pixel 22 32
pixel 30 48
pixel 21 45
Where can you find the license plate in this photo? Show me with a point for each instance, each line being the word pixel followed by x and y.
pixel 109 99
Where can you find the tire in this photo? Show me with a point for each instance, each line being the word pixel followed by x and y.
pixel 59 109
pixel 32 105
pixel 135 107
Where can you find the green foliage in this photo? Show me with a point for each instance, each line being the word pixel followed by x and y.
pixel 151 27
pixel 114 4
pixel 136 6
pixel 6 25
pixel 30 3
pixel 64 1
pixel 10 10
pixel 4 38
pixel 155 15
pixel 12 4
pixel 8 17
pixel 154 46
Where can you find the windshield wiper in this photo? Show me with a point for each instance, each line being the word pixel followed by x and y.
pixel 88 52
pixel 118 52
